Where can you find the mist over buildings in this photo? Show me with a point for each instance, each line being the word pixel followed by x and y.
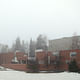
pixel 29 18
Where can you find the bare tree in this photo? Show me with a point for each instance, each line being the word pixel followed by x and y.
pixel 41 42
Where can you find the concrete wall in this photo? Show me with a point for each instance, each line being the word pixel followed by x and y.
pixel 61 44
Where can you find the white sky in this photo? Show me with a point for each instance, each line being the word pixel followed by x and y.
pixel 29 18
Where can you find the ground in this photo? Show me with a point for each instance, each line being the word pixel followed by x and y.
pixel 7 74
pixel 17 75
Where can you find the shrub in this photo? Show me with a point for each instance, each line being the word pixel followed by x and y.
pixel 33 67
pixel 73 66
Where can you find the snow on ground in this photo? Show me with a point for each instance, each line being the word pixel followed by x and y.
pixel 9 74
pixel 4 69
pixel 18 75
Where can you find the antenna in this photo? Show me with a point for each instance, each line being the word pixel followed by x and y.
pixel 75 34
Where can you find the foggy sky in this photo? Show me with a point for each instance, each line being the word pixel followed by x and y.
pixel 29 18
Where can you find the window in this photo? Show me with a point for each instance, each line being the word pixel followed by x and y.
pixel 72 54
pixel 55 53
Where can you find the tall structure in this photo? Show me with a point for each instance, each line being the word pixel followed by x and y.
pixel 32 49
pixel 18 44
pixel 23 46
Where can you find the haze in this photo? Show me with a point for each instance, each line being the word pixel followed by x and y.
pixel 29 18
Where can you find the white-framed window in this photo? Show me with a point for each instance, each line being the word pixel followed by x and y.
pixel 72 54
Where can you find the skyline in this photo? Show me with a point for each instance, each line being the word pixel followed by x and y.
pixel 29 18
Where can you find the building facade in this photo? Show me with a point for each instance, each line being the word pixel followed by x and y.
pixel 66 43
pixel 47 61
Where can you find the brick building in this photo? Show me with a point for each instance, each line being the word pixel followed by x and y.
pixel 50 61
pixel 8 58
pixel 58 60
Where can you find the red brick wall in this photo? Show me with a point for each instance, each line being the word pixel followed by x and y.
pixel 20 67
pixel 65 55
pixel 23 67
pixel 5 60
